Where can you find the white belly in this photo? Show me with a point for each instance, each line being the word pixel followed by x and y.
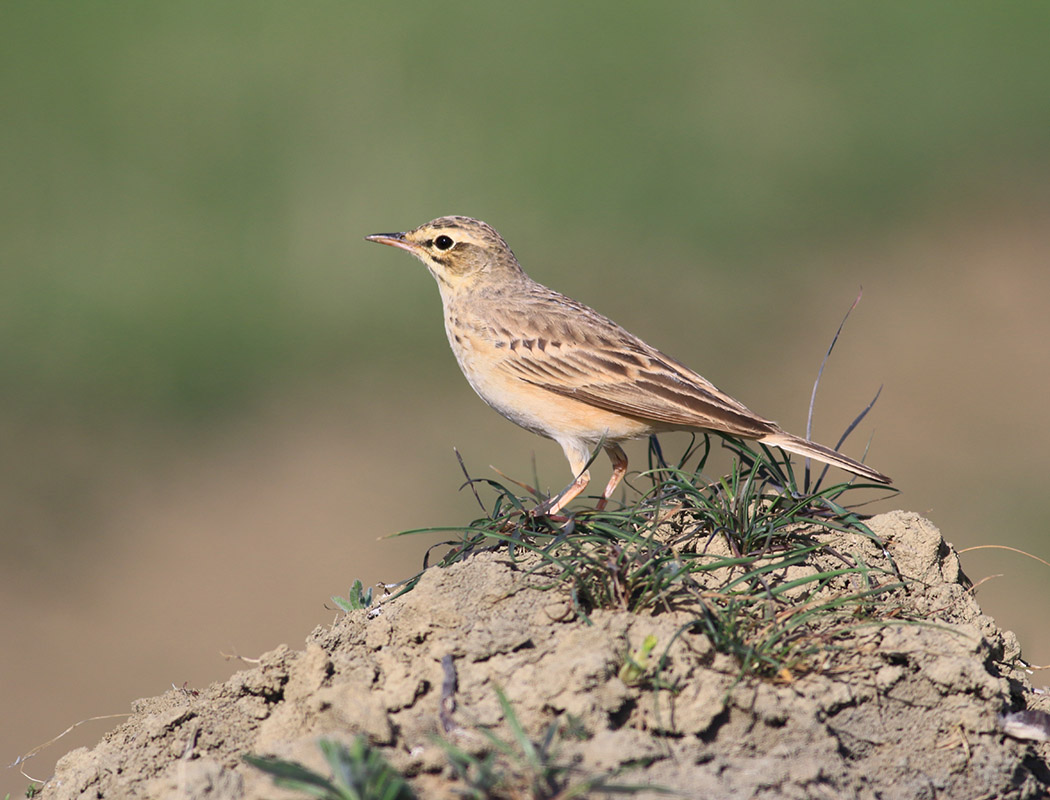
pixel 532 407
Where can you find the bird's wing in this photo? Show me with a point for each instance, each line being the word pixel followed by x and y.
pixel 591 359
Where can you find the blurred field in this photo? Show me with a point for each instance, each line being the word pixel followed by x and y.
pixel 215 397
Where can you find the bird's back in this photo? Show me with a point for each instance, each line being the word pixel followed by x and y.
pixel 529 334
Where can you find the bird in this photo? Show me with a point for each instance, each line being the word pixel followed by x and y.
pixel 559 369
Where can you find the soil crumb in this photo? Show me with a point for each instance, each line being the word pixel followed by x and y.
pixel 910 707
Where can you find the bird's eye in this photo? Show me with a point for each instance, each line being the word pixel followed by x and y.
pixel 443 242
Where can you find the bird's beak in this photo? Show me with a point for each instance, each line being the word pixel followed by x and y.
pixel 394 240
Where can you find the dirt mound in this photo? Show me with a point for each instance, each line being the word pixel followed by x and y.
pixel 890 710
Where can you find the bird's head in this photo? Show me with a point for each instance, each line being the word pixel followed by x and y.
pixel 459 251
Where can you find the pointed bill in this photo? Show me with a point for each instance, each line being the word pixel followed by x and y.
pixel 394 240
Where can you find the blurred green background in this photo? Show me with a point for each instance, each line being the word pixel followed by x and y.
pixel 216 396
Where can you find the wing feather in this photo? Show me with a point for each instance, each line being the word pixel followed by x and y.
pixel 591 359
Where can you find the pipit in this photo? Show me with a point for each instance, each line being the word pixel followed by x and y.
pixel 560 369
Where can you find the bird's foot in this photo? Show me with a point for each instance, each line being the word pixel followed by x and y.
pixel 549 510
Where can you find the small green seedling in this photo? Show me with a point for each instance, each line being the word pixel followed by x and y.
pixel 636 663
pixel 357 598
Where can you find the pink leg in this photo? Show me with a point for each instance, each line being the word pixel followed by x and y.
pixel 619 464
pixel 567 495
pixel 578 455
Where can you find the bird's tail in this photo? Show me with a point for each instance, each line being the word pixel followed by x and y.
pixel 804 447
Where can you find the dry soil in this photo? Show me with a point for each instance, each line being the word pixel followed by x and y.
pixel 894 710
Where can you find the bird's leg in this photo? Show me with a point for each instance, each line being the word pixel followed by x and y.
pixel 579 457
pixel 564 497
pixel 619 464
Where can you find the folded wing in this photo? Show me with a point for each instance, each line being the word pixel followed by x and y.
pixel 607 367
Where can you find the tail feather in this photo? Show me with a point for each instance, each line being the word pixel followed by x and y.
pixel 804 447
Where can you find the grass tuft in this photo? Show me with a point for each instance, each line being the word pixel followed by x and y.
pixel 513 767
pixel 521 767
pixel 359 772
pixel 754 556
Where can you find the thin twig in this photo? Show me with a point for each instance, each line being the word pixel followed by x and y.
pixel 448 694
pixel 1004 547
pixel 470 481
pixel 24 758
pixel 816 383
